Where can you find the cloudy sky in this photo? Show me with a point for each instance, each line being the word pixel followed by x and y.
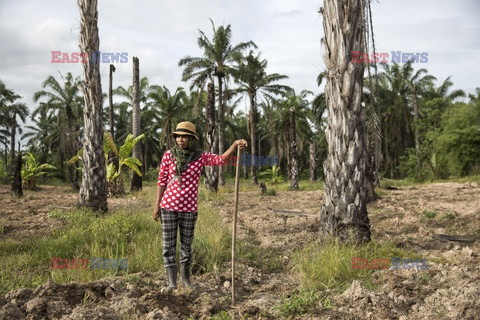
pixel 287 33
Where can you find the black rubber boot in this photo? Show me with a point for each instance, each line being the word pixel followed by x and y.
pixel 172 279
pixel 185 276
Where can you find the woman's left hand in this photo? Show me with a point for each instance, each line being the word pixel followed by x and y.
pixel 242 143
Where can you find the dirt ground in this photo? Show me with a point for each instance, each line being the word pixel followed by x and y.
pixel 448 289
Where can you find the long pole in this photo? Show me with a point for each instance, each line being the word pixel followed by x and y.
pixel 234 233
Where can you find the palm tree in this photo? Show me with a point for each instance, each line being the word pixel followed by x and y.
pixel 93 192
pixel 345 207
pixel 211 172
pixel 218 59
pixel 254 82
pixel 399 91
pixel 293 151
pixel 10 110
pixel 136 183
pixel 169 109
pixel 111 119
pixel 5 98
pixel 236 128
pixel 277 123
pixel 319 105
pixel 298 108
pixel 433 102
pixel 43 136
pixel 124 125
pixel 475 98
pixel 151 145
pixel 123 121
pixel 65 101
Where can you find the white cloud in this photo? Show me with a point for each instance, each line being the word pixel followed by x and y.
pixel 286 31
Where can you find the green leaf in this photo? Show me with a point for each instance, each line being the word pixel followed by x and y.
pixel 77 157
pixel 127 148
pixel 111 171
pixel 109 144
pixel 133 166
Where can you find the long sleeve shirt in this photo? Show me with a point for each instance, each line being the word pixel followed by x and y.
pixel 183 198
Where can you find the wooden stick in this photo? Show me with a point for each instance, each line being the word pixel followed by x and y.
pixel 234 233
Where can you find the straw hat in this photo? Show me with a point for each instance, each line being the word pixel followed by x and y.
pixel 185 128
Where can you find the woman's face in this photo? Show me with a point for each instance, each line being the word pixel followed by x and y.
pixel 182 141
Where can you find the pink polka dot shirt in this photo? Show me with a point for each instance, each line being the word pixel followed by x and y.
pixel 184 198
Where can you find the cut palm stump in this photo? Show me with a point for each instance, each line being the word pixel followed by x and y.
pixel 467 238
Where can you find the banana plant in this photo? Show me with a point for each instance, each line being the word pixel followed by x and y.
pixel 32 171
pixel 122 157
pixel 273 175
pixel 122 154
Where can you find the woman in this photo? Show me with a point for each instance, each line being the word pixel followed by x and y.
pixel 176 202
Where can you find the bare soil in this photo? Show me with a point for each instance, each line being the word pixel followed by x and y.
pixel 448 289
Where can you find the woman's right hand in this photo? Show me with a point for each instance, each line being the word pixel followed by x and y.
pixel 156 213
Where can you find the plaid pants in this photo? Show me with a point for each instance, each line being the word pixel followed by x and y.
pixel 171 220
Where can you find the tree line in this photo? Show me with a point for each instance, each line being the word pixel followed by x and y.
pixel 423 130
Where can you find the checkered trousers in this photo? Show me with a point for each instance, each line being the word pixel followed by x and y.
pixel 171 222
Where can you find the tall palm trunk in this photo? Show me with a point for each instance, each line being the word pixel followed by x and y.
pixel 221 127
pixel 136 183
pixel 312 163
pixel 287 153
pixel 5 156
pixel 415 120
pixel 93 192
pixel 13 130
pixel 211 172
pixel 253 135
pixel 293 152
pixel 110 102
pixel 245 171
pixel 111 122
pixel 344 212
pixel 17 176
pixel 372 177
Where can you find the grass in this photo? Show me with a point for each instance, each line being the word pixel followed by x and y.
pixel 264 258
pixel 330 265
pixel 222 315
pixel 432 215
pixel 448 216
pixel 271 192
pixel 119 235
pixel 212 243
pixel 3 222
pixel 134 236
pixel 116 235
pixel 429 214
pixel 300 303
pixel 475 178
